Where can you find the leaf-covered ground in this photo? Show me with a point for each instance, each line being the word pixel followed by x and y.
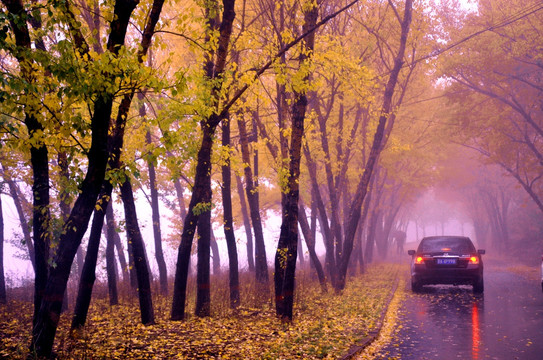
pixel 325 326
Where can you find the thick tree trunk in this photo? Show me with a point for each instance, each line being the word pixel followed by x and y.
pixel 285 257
pixel 40 215
pixel 140 258
pixel 228 222
pixel 246 224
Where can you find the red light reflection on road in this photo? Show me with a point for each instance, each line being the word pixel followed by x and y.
pixel 475 332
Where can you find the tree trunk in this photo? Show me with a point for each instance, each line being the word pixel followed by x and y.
pixel 39 157
pixel 197 205
pixel 180 198
pixel 310 242
pixel 88 274
pixel 131 265
pixel 285 257
pixel 112 230
pixel 3 296
pixel 110 257
pixel 301 258
pixel 372 233
pixel 330 260
pixel 215 254
pixel 140 258
pixel 246 224
pixel 228 222
pixel 203 298
pixel 159 254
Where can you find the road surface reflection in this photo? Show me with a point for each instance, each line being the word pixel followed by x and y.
pixel 450 322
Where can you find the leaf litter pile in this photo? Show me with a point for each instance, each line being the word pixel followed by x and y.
pixel 324 326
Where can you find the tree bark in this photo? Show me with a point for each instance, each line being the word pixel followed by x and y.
pixel 140 258
pixel 203 298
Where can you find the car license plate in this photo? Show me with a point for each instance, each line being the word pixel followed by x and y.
pixel 446 261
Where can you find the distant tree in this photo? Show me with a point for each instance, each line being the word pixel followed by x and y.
pixel 246 224
pixel 111 268
pixel 16 196
pixel 155 212
pixel 261 262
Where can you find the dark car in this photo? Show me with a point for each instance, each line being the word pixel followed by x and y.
pixel 447 260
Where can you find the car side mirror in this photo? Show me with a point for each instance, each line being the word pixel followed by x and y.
pixel 411 252
pixel 481 251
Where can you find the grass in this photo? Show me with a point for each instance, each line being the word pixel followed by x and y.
pixel 324 326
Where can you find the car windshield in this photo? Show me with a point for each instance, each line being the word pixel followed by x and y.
pixel 446 245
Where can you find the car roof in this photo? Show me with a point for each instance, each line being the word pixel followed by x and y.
pixel 445 237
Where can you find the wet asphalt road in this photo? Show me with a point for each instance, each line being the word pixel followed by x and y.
pixel 450 322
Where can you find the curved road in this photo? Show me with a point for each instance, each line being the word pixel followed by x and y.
pixel 450 322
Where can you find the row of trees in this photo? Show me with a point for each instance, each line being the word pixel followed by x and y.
pixel 321 107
